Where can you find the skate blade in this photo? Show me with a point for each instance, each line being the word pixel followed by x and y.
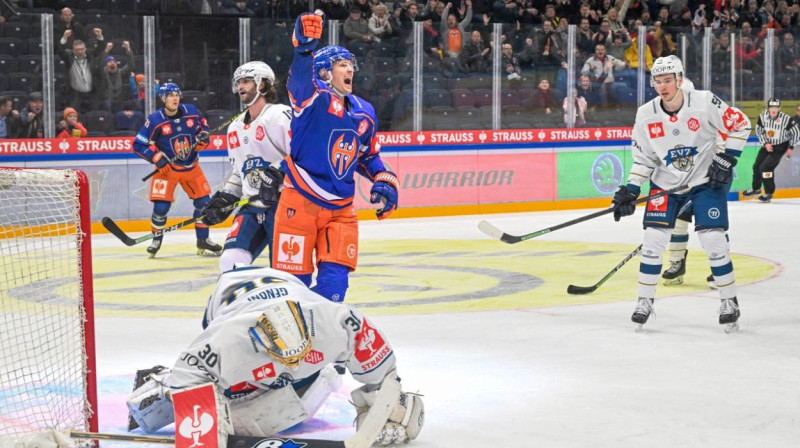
pixel 151 256
pixel 732 327
pixel 208 253
pixel 673 281
pixel 638 328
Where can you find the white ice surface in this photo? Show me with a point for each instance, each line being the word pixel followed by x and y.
pixel 577 376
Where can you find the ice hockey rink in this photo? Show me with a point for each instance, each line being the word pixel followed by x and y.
pixel 502 354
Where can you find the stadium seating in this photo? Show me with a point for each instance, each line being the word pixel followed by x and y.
pixel 98 121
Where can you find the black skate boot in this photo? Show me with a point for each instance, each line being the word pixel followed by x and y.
pixel 208 245
pixel 765 198
pixel 154 247
pixel 729 314
pixel 750 193
pixel 712 283
pixel 675 272
pixel 642 312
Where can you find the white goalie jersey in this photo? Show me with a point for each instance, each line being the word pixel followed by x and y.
pixel 673 150
pixel 227 354
pixel 266 137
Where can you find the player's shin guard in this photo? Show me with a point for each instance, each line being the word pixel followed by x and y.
pixel 332 281
pixel 655 240
pixel 715 243
pixel 157 222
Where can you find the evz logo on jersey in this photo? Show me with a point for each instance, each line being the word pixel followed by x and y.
pixel 336 107
pixel 233 140
pixel 656 130
pixel 693 124
pixel 681 157
pixel 181 146
pixel 733 120
pixel 343 146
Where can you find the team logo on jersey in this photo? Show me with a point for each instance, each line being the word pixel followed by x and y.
pixel 336 107
pixel 343 144
pixel 260 133
pixel 733 120
pixel 362 127
pixel 181 146
pixel 166 129
pixel 693 124
pixel 233 140
pixel 607 171
pixel 371 349
pixel 658 204
pixel 656 130
pixel 314 357
pixel 265 371
pixel 681 157
pixel 190 123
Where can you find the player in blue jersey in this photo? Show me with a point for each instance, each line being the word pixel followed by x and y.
pixel 170 139
pixel 333 137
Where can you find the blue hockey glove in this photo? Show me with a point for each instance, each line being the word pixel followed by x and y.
pixel 308 31
pixel 384 189
pixel 623 201
pixel 720 172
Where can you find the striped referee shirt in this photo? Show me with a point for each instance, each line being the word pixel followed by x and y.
pixel 782 129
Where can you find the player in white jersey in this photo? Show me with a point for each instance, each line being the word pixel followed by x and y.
pixel 257 141
pixel 675 143
pixel 269 345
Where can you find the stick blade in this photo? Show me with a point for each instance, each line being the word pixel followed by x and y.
pixel 578 290
pixel 497 234
pixel 112 227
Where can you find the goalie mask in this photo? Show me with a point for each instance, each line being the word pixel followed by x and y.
pixel 666 65
pixel 327 56
pixel 281 330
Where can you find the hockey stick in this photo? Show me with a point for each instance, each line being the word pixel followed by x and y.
pixel 207 137
pixel 112 227
pixel 572 289
pixel 489 229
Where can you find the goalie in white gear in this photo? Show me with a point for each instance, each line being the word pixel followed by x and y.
pixel 269 344
pixel 675 143
pixel 257 141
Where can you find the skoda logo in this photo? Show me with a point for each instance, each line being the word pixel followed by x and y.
pixel 607 173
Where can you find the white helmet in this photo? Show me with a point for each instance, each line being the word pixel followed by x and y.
pixel 666 65
pixel 281 330
pixel 257 70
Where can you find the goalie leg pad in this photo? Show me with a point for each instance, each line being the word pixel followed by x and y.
pixel 264 414
pixel 327 382
pixel 404 422
pixel 149 405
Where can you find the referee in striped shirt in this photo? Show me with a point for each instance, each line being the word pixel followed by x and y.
pixel 777 132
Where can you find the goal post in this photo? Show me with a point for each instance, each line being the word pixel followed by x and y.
pixel 47 353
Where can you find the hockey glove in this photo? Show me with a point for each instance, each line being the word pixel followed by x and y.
pixel 308 31
pixel 404 423
pixel 271 181
pixel 384 190
pixel 623 201
pixel 720 172
pixel 214 212
pixel 201 139
pixel 160 161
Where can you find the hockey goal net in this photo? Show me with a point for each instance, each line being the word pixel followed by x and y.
pixel 47 363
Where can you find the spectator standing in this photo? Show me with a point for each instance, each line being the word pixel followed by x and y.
pixel 788 56
pixel 510 63
pixel 66 21
pixel 70 126
pixel 453 33
pixel 600 69
pixel 379 24
pixel 79 69
pixel 112 79
pixel 475 57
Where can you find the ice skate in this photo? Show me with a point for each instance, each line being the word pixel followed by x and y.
pixel 154 247
pixel 642 312
pixel 675 272
pixel 207 245
pixel 711 282
pixel 729 314
pixel 750 193
pixel 765 198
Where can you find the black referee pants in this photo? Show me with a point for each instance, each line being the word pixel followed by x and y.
pixel 764 167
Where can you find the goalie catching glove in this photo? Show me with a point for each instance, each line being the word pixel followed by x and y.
pixel 215 211
pixel 308 31
pixel 405 421
pixel 384 190
pixel 624 199
pixel 720 172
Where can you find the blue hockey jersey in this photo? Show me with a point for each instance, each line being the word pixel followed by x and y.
pixel 332 138
pixel 174 136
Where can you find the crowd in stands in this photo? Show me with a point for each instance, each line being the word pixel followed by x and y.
pixel 100 80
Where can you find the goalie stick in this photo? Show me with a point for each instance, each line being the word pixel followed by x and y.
pixel 489 229
pixel 208 137
pixel 115 230
pixel 572 289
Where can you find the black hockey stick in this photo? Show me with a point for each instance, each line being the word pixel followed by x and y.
pixel 207 137
pixel 112 227
pixel 234 441
pixel 572 289
pixel 489 229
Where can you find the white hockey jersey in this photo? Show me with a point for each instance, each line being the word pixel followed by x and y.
pixel 224 353
pixel 672 150
pixel 267 136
